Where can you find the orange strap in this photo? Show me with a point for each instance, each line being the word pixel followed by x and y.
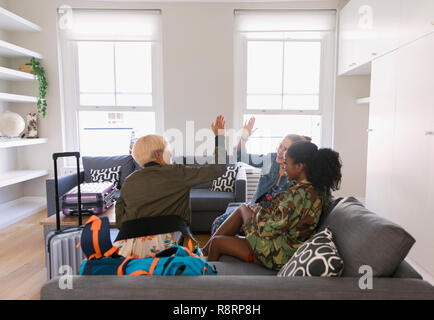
pixel 111 251
pixel 190 245
pixel 148 273
pixel 138 272
pixel 121 267
pixel 95 227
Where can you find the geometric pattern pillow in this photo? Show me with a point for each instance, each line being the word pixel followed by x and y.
pixel 317 257
pixel 109 174
pixel 226 182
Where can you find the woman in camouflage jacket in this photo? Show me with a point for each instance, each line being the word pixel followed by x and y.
pixel 273 234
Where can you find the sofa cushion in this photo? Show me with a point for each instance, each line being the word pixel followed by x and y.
pixel 240 269
pixel 364 238
pixel 317 257
pixel 333 202
pixel 106 175
pixel 126 162
pixel 226 182
pixel 206 185
pixel 207 200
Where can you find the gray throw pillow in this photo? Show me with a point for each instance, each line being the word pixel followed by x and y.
pixel 364 238
pixel 317 257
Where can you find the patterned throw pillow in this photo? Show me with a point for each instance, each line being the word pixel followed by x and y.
pixel 226 182
pixel 317 257
pixel 109 174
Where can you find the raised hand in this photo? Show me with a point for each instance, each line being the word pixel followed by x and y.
pixel 248 128
pixel 219 126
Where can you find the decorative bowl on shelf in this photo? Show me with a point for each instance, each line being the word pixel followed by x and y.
pixel 11 124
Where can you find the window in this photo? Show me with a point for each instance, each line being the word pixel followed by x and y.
pixel 272 128
pixel 115 73
pixel 112 87
pixel 284 62
pixel 109 133
pixel 283 75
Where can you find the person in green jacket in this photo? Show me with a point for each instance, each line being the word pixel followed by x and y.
pixel 273 234
pixel 161 189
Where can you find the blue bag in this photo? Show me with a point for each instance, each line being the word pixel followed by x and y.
pixel 173 261
pixel 103 258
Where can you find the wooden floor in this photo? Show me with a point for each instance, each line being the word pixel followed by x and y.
pixel 22 259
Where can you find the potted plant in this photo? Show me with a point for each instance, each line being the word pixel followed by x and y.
pixel 35 67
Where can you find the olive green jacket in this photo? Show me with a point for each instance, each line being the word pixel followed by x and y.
pixel 165 189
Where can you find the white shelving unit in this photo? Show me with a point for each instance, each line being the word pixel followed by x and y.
pixel 18 142
pixel 16 176
pixel 363 100
pixel 15 75
pixel 18 209
pixel 10 21
pixel 9 97
pixel 10 50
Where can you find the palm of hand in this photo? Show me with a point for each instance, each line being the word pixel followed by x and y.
pixel 248 126
pixel 219 124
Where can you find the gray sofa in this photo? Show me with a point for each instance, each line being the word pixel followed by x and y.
pixel 362 238
pixel 206 205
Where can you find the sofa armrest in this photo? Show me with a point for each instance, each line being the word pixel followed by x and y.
pixel 240 188
pixel 235 287
pixel 405 270
pixel 66 183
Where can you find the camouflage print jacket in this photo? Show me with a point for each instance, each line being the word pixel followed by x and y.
pixel 274 234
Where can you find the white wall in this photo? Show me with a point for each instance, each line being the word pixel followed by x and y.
pixel 350 137
pixel 350 133
pixel 197 65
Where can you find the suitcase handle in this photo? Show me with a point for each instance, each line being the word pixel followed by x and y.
pixel 65 154
pixel 56 187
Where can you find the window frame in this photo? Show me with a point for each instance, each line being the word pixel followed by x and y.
pixel 70 89
pixel 326 86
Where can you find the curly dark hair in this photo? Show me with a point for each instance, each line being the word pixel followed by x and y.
pixel 323 166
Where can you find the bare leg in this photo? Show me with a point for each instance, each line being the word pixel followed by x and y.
pixel 232 225
pixel 230 245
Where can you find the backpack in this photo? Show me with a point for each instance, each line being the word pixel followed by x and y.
pixel 103 257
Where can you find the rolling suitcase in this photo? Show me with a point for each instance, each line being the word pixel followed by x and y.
pixel 96 197
pixel 61 244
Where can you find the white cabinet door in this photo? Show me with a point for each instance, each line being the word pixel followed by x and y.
pixel 412 160
pixel 356 36
pixel 368 29
pixel 387 26
pixel 381 128
pixel 347 25
pixel 417 18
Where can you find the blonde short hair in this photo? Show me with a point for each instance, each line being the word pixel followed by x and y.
pixel 145 147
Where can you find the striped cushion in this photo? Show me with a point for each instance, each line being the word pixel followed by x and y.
pixel 226 182
pixel 108 174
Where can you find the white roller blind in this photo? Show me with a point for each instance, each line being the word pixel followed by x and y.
pixel 285 20
pixel 102 24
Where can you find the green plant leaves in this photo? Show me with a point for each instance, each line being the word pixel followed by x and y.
pixel 39 73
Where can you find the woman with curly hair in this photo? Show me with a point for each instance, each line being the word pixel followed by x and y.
pixel 273 234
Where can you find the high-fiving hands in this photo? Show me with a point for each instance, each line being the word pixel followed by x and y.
pixel 248 128
pixel 219 126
